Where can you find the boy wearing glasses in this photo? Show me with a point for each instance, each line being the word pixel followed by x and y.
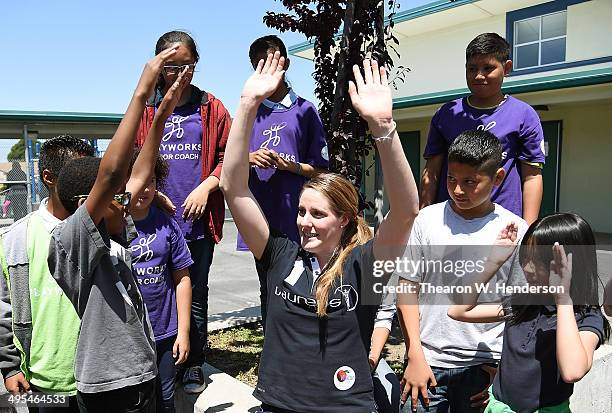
pixel 115 365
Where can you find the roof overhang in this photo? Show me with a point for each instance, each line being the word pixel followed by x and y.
pixel 49 124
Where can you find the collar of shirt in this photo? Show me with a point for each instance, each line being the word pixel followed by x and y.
pixel 285 103
pixel 49 220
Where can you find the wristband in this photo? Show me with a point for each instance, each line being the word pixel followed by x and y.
pixel 388 136
pixel 298 170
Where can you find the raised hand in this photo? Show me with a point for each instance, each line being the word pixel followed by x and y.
pixel 265 80
pixel 172 96
pixel 504 244
pixel 371 97
pixel 561 273
pixel 152 70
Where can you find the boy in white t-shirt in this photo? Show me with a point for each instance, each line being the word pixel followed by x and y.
pixel 451 363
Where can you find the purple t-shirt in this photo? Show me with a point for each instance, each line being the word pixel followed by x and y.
pixel 158 250
pixel 514 123
pixel 296 134
pixel 181 147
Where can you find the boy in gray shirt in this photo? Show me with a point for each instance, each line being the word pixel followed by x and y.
pixel 115 363
pixel 448 361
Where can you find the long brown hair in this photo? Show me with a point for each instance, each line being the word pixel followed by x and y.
pixel 344 201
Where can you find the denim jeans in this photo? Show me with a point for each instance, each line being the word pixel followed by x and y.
pixel 454 389
pixel 202 255
pixel 166 379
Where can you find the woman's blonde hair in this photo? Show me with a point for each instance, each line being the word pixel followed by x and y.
pixel 344 201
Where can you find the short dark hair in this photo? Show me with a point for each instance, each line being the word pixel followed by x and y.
pixel 477 148
pixel 488 44
pixel 161 170
pixel 55 152
pixel 265 43
pixel 77 177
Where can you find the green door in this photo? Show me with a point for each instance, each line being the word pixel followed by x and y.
pixel 411 143
pixel 552 167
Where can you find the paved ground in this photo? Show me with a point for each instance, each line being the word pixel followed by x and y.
pixel 233 280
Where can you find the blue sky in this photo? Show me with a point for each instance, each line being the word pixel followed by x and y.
pixel 86 56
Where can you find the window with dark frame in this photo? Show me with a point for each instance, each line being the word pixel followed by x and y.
pixel 540 41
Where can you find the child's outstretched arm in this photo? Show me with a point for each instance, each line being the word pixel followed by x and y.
pixel 142 171
pixel 574 348
pixel 371 98
pixel 114 166
pixel 246 212
pixel 471 312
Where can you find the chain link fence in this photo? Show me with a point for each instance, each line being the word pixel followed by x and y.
pixel 21 189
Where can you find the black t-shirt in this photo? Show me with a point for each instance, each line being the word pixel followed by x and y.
pixel 311 364
pixel 528 378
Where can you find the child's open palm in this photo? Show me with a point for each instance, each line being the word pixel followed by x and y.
pixel 504 244
pixel 265 80
pixel 561 271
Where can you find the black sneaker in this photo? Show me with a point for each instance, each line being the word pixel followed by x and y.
pixel 193 380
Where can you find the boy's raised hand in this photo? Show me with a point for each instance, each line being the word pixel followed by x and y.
pixel 172 96
pixel 265 80
pixel 371 97
pixel 504 244
pixel 152 70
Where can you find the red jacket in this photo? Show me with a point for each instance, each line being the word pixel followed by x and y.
pixel 216 123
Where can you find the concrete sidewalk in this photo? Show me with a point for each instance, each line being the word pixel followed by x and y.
pixel 223 394
pixel 233 283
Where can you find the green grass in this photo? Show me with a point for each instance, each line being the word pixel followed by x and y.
pixel 236 351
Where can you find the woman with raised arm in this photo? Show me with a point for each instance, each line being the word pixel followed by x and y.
pixel 318 327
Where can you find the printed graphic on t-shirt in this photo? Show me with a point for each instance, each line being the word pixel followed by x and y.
pixel 296 287
pixel 272 139
pixel 142 254
pixel 176 127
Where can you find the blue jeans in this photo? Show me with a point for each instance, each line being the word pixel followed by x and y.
pixel 202 254
pixel 454 389
pixel 166 378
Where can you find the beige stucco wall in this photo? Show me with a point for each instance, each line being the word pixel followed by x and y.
pixel 437 58
pixel 586 154
pixel 589 30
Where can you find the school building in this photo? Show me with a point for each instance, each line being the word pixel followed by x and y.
pixel 562 58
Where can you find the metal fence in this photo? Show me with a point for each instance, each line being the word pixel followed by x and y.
pixel 21 188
